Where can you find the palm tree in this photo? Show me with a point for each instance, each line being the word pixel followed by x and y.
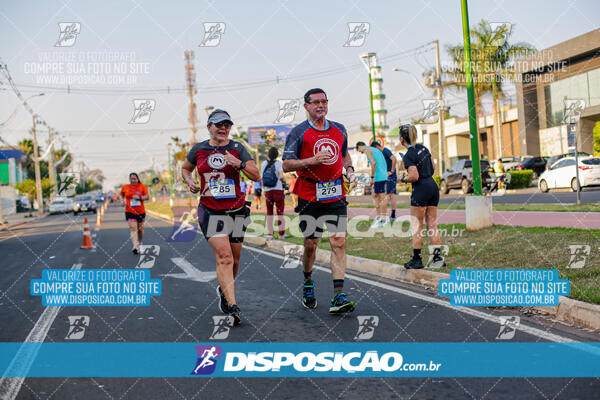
pixel 492 58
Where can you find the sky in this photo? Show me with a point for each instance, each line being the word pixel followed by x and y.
pixel 130 50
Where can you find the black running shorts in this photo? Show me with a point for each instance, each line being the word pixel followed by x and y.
pixel 425 193
pixel 224 222
pixel 313 215
pixel 131 217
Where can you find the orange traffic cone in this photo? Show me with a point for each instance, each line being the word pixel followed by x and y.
pixel 87 236
pixel 98 219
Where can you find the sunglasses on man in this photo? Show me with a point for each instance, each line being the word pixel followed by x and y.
pixel 317 102
pixel 226 124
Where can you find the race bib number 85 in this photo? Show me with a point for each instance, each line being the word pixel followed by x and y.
pixel 329 190
pixel 222 188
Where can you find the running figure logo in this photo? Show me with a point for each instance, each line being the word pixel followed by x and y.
pixel 366 326
pixel 444 250
pixel 68 34
pixel 184 230
pixel 142 110
pixel 207 359
pixel 572 110
pixel 579 255
pixel 292 256
pixel 357 34
pixel 148 254
pixel 221 329
pixel 508 327
pixel 77 326
pixel 430 110
pixel 287 110
pixel 67 183
pixel 500 32
pixel 212 34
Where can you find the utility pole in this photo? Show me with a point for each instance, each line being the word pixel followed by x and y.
pixel 441 137
pixel 577 166
pixel 190 79
pixel 51 170
pixel 38 177
pixel 170 175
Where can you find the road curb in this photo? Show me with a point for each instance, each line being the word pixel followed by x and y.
pixel 28 220
pixel 579 313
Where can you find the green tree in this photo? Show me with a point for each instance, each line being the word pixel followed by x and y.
pixel 492 57
pixel 62 164
pixel 26 146
pixel 27 188
pixel 182 148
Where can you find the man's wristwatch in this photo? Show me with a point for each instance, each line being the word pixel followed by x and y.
pixel 242 165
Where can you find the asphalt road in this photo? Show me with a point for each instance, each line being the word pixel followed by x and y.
pixel 269 297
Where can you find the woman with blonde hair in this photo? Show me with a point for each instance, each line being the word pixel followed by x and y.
pixel 424 198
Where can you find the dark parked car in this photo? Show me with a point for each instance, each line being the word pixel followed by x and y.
pixel 537 164
pixel 460 176
pixel 83 203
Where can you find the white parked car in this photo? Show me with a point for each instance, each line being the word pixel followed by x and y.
pixel 59 206
pixel 561 174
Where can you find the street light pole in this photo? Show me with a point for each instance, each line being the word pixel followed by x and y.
pixel 366 59
pixel 17 108
pixel 38 178
pixel 371 97
pixel 441 137
pixel 476 166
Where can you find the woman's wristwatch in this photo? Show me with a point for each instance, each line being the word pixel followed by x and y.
pixel 242 165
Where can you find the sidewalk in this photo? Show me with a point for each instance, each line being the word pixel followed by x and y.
pixel 581 220
pixel 547 219
pixel 18 219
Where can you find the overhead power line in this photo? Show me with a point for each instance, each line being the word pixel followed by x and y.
pixel 234 85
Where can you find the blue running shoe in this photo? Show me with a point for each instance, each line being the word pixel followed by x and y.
pixel 308 294
pixel 340 304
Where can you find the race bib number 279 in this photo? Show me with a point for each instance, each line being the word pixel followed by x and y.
pixel 329 190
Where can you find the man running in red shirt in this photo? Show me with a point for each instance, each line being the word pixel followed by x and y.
pixel 318 150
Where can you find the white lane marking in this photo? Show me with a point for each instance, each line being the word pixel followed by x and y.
pixel 475 313
pixel 21 363
pixel 190 272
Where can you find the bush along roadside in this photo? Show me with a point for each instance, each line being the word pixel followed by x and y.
pixel 520 179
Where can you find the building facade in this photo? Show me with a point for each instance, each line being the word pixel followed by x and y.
pixel 544 80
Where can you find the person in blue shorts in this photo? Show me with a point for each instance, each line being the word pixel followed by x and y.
pixel 390 187
pixel 378 180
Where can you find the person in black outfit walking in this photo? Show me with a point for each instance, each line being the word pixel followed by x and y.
pixel 424 199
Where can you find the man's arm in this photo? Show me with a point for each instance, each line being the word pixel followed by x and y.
pixel 295 165
pixel 394 162
pixel 369 153
pixel 347 161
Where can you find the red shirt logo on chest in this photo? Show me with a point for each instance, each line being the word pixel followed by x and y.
pixel 216 160
pixel 330 146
